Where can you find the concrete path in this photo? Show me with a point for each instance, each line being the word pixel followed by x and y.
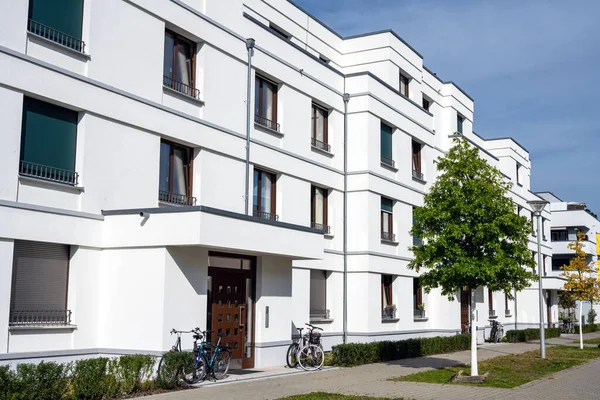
pixel 371 380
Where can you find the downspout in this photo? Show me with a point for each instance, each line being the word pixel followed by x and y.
pixel 250 47
pixel 346 98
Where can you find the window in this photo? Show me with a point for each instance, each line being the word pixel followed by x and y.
pixel 318 206
pixel 426 104
pixel 459 123
pixel 559 235
pixel 544 260
pixel 544 229
pixel 491 303
pixel 265 103
pixel 318 295
pixel 518 172
pixel 559 262
pixel 386 145
pixel 264 195
pixel 506 309
pixel 39 284
pixel 48 140
pixel 416 239
pixel 319 128
pixel 387 220
pixel 180 64
pixel 324 59
pixel 404 85
pixel 387 304
pixel 175 184
pixel 519 209
pixel 58 20
pixel 418 305
pixel 533 232
pixel 279 32
pixel 416 160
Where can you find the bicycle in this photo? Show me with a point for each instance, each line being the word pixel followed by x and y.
pixel 186 376
pixel 307 351
pixel 497 331
pixel 214 359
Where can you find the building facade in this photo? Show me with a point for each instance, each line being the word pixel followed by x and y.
pixel 125 184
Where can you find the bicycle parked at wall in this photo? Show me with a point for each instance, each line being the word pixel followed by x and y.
pixel 497 331
pixel 567 326
pixel 307 350
pixel 209 359
pixel 187 377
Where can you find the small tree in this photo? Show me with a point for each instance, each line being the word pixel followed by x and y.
pixel 581 284
pixel 473 237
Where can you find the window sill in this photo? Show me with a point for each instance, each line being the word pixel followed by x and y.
pixel 329 235
pixel 50 184
pixel 321 320
pixel 419 180
pixel 421 319
pixel 387 166
pixel 182 96
pixel 268 130
pixel 389 242
pixel 42 328
pixel 493 317
pixel 83 56
pixel 321 151
pixel 508 316
pixel 390 320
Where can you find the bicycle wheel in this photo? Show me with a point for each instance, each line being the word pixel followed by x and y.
pixel 221 364
pixel 292 357
pixel 199 372
pixel 168 377
pixel 311 358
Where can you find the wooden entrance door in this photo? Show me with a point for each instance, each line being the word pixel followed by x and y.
pixel 229 309
pixel 465 306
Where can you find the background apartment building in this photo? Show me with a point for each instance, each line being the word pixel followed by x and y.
pixel 123 180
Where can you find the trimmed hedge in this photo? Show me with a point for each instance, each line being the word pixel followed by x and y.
pixel 525 335
pixel 173 366
pixel 350 354
pixel 587 328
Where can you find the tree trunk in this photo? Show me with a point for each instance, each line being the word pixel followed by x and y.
pixel 474 369
pixel 580 325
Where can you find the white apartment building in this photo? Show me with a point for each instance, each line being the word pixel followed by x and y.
pixel 125 205
pixel 567 219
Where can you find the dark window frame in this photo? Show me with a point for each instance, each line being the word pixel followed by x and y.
pixel 490 300
pixel 176 39
pixel 314 109
pixel 387 292
pixel 188 169
pixel 518 172
pixel 261 81
pixel 406 80
pixel 390 218
pixel 258 205
pixel 417 293
pixel 460 121
pixel 416 156
pixel 426 104
pixel 556 235
pixel 313 211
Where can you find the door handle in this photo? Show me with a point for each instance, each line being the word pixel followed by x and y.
pixel 242 309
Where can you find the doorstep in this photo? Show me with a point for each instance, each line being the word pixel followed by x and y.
pixel 244 375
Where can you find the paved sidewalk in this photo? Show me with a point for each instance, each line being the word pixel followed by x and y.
pixel 371 380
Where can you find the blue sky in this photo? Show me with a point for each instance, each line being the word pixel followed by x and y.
pixel 532 66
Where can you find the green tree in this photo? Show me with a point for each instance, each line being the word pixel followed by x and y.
pixel 581 284
pixel 473 237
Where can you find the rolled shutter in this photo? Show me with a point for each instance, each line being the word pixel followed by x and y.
pixel 40 273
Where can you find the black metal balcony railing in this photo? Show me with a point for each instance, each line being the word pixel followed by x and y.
pixel 507 313
pixel 388 161
pixel 265 215
pixel 175 198
pixel 319 314
pixel 180 87
pixel 419 313
pixel 40 317
pixel 493 314
pixel 388 313
pixel 390 237
pixel 56 36
pixel 418 175
pixel 320 145
pixel 325 228
pixel 48 173
pixel 267 123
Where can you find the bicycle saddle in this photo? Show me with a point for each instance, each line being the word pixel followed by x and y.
pixel 222 334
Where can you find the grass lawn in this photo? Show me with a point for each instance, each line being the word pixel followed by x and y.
pixel 589 341
pixel 332 396
pixel 513 370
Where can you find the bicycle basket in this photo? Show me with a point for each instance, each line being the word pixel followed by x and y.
pixel 315 338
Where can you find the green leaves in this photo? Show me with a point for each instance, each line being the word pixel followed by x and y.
pixel 473 237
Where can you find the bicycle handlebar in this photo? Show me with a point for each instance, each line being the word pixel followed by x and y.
pixel 314 327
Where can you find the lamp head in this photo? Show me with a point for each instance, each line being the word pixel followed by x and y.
pixel 537 205
pixel 250 43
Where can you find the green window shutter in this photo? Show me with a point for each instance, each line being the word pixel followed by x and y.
pixel 387 205
pixel 49 134
pixel 65 16
pixel 386 141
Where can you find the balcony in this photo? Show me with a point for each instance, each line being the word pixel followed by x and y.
pixel 181 87
pixel 388 162
pixel 389 314
pixel 267 123
pixel 176 199
pixel 317 144
pixel 326 229
pixel 418 175
pixel 388 237
pixel 40 317
pixel 265 215
pixel 48 173
pixel 55 36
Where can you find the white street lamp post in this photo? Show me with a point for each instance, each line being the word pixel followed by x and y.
pixel 538 206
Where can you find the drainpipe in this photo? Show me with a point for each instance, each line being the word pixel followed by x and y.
pixel 346 98
pixel 250 47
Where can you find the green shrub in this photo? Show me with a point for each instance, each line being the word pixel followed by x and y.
pixel 364 353
pixel 526 335
pixel 7 383
pixel 172 368
pixel 44 381
pixel 587 328
pixel 592 316
pixel 134 372
pixel 90 379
